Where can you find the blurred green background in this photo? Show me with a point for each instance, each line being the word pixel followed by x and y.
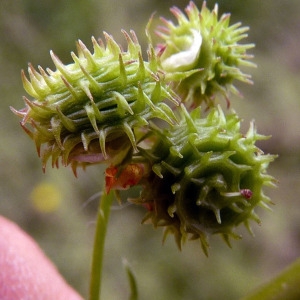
pixel 59 210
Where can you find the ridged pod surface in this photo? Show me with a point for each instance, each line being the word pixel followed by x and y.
pixel 203 54
pixel 86 112
pixel 206 176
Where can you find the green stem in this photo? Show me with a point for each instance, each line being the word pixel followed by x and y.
pixel 99 241
pixel 132 281
pixel 284 286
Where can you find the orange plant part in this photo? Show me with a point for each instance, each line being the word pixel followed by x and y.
pixel 124 178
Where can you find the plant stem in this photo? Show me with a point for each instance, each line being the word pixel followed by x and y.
pixel 132 281
pixel 99 241
pixel 284 286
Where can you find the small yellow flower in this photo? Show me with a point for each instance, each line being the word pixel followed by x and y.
pixel 46 197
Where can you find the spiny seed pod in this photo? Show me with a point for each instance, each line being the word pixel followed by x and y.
pixel 86 112
pixel 203 53
pixel 206 177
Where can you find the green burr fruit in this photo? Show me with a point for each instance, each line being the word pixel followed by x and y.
pixel 202 54
pixel 86 112
pixel 207 177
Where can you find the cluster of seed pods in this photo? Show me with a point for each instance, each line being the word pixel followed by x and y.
pixel 198 173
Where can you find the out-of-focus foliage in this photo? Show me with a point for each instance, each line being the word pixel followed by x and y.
pixel 28 30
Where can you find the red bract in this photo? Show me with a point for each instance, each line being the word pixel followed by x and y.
pixel 123 178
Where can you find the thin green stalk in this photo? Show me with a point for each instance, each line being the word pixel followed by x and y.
pixel 285 286
pixel 99 241
pixel 132 281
